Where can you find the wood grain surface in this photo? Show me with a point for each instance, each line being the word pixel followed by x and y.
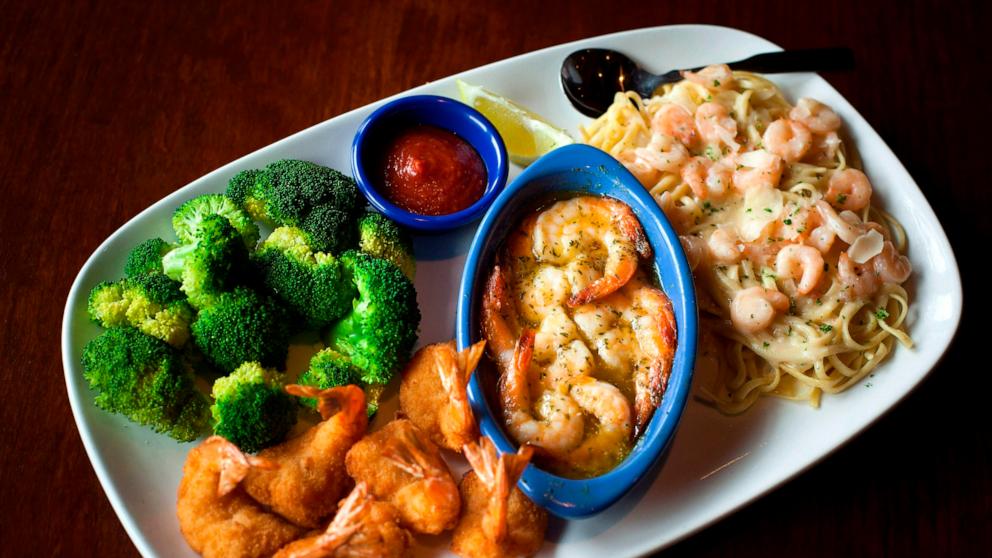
pixel 107 107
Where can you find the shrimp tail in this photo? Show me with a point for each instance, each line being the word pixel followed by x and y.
pixel 455 371
pixel 500 475
pixel 406 453
pixel 499 318
pixel 348 401
pixel 346 522
pixel 233 463
pixel 525 350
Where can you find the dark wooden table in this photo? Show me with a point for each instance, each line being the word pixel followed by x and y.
pixel 107 107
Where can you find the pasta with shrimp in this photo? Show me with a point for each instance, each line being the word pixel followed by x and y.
pixel 799 276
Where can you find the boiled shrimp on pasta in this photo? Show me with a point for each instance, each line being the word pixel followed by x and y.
pixel 799 275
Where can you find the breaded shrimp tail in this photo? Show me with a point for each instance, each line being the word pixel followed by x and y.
pixel 215 515
pixel 434 393
pixel 498 519
pixel 311 477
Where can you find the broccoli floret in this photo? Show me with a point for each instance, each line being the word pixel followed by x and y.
pixel 297 187
pixel 144 379
pixel 188 219
pixel 210 264
pixel 382 238
pixel 146 257
pixel 251 409
pixel 381 329
pixel 314 285
pixel 152 303
pixel 251 191
pixel 242 326
pixel 329 229
pixel 328 368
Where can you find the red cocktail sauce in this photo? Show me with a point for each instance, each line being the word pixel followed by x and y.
pixel 430 171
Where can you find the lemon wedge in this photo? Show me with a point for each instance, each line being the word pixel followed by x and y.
pixel 527 135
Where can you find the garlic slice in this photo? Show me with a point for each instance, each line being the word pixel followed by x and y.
pixel 866 246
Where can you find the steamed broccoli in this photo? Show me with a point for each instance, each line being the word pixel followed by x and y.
pixel 242 326
pixel 329 368
pixel 188 219
pixel 152 303
pixel 323 202
pixel 315 285
pixel 210 264
pixel 251 409
pixel 381 329
pixel 382 238
pixel 249 190
pixel 329 229
pixel 297 187
pixel 146 257
pixel 144 379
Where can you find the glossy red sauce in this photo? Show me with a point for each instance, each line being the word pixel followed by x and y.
pixel 430 171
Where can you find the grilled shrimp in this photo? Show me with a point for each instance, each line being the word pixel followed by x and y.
pixel 557 425
pixel 215 515
pixel 499 520
pixel 433 393
pixel 654 327
pixel 403 467
pixel 591 227
pixel 311 477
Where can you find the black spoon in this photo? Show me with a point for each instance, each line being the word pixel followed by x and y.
pixel 591 77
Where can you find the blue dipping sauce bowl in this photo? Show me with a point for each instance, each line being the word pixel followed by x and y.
pixel 586 170
pixel 441 112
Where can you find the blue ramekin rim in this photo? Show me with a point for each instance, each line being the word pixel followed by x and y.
pixel 493 154
pixel 576 498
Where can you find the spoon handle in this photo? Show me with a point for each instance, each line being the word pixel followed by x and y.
pixel 798 60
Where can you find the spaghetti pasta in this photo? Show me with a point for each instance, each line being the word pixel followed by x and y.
pixel 798 275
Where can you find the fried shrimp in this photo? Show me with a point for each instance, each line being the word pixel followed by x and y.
pixel 499 520
pixel 311 477
pixel 433 394
pixel 403 467
pixel 215 515
pixel 362 527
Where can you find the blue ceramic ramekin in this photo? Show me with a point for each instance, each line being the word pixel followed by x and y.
pixel 441 112
pixel 584 169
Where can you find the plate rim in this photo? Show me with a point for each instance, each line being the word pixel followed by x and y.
pixel 120 507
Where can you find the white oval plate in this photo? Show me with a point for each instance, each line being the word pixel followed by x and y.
pixel 716 464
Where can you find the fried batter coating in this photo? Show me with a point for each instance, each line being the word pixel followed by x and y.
pixel 403 467
pixel 499 520
pixel 362 527
pixel 215 515
pixel 434 395
pixel 311 477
